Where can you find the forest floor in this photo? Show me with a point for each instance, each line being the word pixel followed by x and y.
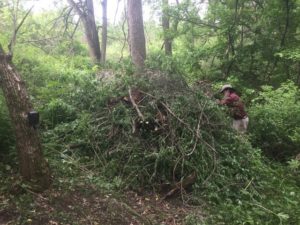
pixel 86 204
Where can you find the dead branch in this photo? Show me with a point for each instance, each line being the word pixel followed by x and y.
pixel 135 106
pixel 66 19
pixel 14 37
pixel 57 19
pixel 76 7
pixel 175 116
pixel 76 26
pixel 39 40
pixel 181 185
pixel 197 22
pixel 180 120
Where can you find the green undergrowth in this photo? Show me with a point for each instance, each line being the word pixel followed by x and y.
pixel 276 116
pixel 93 134
pixel 180 132
pixel 269 197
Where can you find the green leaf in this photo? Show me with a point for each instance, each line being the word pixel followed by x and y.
pixel 283 216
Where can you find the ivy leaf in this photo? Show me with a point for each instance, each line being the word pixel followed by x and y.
pixel 7 167
pixel 283 216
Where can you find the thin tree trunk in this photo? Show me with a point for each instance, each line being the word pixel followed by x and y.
pixel 32 165
pixel 136 33
pixel 88 18
pixel 166 28
pixel 104 31
pixel 287 22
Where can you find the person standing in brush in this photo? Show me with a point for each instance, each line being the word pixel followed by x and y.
pixel 236 108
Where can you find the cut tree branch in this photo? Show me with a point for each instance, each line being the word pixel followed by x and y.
pixel 136 106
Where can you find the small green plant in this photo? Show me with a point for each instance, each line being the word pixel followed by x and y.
pixel 56 112
pixel 193 219
pixel 294 164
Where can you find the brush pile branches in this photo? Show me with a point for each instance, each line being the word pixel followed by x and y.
pixel 160 133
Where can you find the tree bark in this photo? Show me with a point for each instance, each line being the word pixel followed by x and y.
pixel 86 13
pixel 104 31
pixel 136 33
pixel 287 22
pixel 33 167
pixel 166 28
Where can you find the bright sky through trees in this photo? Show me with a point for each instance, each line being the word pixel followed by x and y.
pixel 114 9
pixel 112 5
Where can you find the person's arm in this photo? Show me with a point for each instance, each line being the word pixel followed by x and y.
pixel 229 99
pixel 226 100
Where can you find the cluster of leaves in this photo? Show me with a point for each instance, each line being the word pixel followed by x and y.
pixel 270 197
pixel 253 40
pixel 276 117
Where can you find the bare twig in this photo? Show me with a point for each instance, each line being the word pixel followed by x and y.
pixel 249 184
pixel 175 116
pixel 197 135
pixel 181 185
pixel 39 40
pixel 76 7
pixel 36 194
pixel 198 22
pixel 66 18
pixel 76 26
pixel 14 37
pixel 135 106
pixel 124 34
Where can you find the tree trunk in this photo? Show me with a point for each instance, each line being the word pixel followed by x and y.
pixel 136 33
pixel 287 23
pixel 166 28
pixel 33 167
pixel 104 31
pixel 86 13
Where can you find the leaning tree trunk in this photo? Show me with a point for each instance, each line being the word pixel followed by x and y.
pixel 88 19
pixel 33 167
pixel 104 31
pixel 91 32
pixel 136 33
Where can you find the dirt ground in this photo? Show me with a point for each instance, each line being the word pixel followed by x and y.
pixel 87 205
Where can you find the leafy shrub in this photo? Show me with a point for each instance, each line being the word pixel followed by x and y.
pixel 70 138
pixel 163 62
pixel 268 198
pixel 193 137
pixel 56 112
pixel 275 119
